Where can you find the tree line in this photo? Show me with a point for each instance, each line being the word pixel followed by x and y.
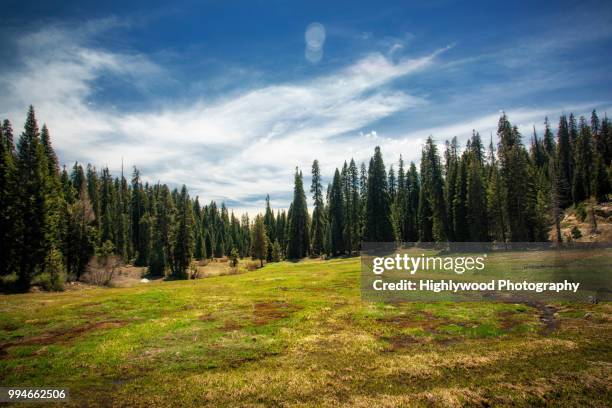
pixel 53 221
pixel 506 192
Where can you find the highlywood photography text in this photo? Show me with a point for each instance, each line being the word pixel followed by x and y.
pixel 459 264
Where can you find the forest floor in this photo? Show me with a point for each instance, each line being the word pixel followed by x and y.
pixel 299 334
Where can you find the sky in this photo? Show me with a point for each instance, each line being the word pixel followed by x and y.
pixel 229 97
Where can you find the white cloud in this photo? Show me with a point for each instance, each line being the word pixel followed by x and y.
pixel 230 149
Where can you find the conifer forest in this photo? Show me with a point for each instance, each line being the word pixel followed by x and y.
pixel 504 187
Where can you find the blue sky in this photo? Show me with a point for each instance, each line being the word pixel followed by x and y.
pixel 228 97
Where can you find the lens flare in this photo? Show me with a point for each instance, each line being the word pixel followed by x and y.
pixel 315 39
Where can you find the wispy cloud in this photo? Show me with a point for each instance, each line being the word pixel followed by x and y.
pixel 228 149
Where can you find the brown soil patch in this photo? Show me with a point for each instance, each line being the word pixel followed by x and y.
pixel 206 318
pixel 507 320
pixel 62 335
pixel 547 318
pixel 266 312
pixel 231 325
pixel 397 343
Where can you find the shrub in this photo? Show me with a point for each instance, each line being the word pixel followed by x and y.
pixel 276 252
pixel 54 276
pixel 194 272
pixel 49 282
pixel 233 258
pixel 581 212
pixel 103 266
pixel 576 232
pixel 9 282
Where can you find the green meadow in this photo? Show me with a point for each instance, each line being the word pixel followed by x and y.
pixel 299 334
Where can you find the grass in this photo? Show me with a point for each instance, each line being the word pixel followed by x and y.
pixel 298 334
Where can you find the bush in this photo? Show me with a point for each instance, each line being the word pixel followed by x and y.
pixel 49 282
pixel 276 252
pixel 581 212
pixel 576 232
pixel 103 266
pixel 233 258
pixel 8 283
pixel 194 273
pixel 54 276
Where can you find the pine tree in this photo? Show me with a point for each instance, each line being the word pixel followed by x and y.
pixel 495 200
pixel 564 163
pixel 298 244
pixel 476 202
pixel 259 240
pixel 31 172
pixel 476 148
pixel 183 242
pixel 583 163
pixel 77 178
pixel 548 140
pixel 459 202
pixel 122 218
pixel 219 245
pixel 540 207
pixel 606 137
pixel 513 162
pixel 7 134
pixel 337 216
pixel 200 249
pixel 318 216
pixel 399 207
pixel 432 187
pixel 8 198
pixel 537 153
pixel 163 238
pixel 281 229
pixel 93 189
pixel 107 206
pixel 269 222
pixel 78 243
pixel 363 197
pixel 276 252
pixel 136 213
pixel 378 226
pixel 555 200
pixel 572 129
pixel 414 194
pixel 392 184
pixel 451 166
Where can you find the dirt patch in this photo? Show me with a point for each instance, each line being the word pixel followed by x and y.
pixel 266 312
pixel 507 320
pixel 547 313
pixel 62 335
pixel 207 318
pixel 425 321
pixel 9 326
pixel 231 325
pixel 397 343
pixel 547 317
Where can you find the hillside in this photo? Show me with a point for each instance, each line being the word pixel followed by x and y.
pixel 578 218
pixel 298 334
